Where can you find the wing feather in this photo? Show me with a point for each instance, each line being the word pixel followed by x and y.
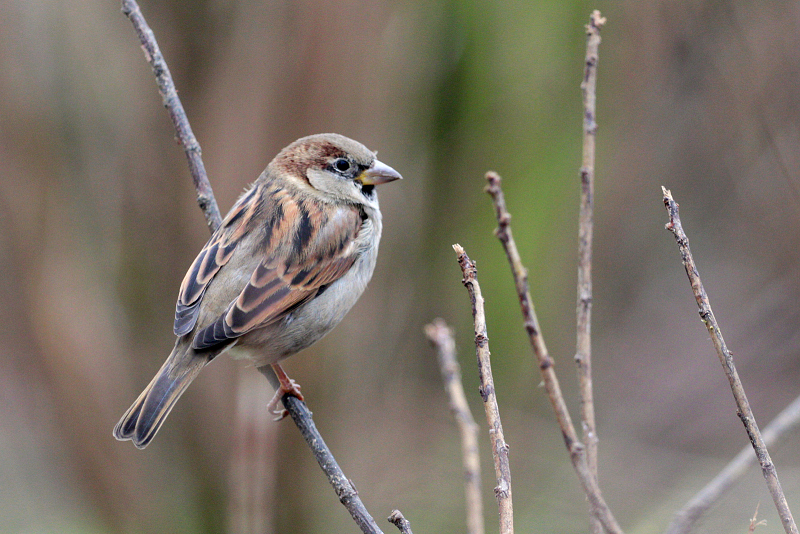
pixel 215 254
pixel 309 247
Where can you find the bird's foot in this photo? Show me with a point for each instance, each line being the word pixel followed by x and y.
pixel 287 387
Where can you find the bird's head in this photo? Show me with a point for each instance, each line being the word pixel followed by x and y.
pixel 336 166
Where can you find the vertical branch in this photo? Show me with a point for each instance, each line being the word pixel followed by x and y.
pixel 205 195
pixel 441 336
pixel 499 447
pixel 726 359
pixel 576 449
pixel 583 349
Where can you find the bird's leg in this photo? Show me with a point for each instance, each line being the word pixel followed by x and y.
pixel 287 387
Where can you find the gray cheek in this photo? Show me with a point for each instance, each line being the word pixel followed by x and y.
pixel 335 186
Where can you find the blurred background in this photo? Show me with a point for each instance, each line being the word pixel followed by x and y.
pixel 99 224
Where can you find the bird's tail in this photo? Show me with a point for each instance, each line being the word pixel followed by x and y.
pixel 143 419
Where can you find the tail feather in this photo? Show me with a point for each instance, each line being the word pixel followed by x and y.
pixel 146 415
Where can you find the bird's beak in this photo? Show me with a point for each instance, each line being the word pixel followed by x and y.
pixel 378 173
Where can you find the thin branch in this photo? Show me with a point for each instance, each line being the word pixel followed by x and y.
pixel 402 524
pixel 499 447
pixel 726 359
pixel 205 195
pixel 754 522
pixel 686 517
pixel 347 493
pixel 441 337
pixel 576 449
pixel 583 350
pixel 299 412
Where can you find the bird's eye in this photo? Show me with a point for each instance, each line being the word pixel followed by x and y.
pixel 341 165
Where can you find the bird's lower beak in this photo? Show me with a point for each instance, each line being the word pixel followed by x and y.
pixel 378 173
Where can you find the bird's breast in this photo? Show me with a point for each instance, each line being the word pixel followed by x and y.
pixel 308 323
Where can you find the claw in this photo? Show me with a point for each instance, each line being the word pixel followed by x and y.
pixel 283 414
pixel 287 387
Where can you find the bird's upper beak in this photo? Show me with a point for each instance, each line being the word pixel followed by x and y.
pixel 378 173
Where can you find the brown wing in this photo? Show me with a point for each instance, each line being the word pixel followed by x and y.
pixel 212 258
pixel 310 247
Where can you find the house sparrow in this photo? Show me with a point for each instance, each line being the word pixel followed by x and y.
pixel 287 263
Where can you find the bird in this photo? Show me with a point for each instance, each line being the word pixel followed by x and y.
pixel 288 261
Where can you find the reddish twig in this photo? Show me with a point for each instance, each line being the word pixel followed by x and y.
pixel 499 447
pixel 441 336
pixel 726 359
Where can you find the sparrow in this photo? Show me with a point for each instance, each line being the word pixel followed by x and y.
pixel 287 263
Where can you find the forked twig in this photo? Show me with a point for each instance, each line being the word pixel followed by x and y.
pixel 583 345
pixel 686 517
pixel 441 336
pixel 499 447
pixel 754 522
pixel 726 359
pixel 205 198
pixel 577 451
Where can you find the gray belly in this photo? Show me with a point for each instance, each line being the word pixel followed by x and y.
pixel 308 323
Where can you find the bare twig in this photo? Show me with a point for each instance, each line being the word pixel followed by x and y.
pixel 402 524
pixel 686 517
pixel 754 522
pixel 499 447
pixel 583 350
pixel 726 359
pixel 205 198
pixel 205 195
pixel 347 493
pixel 576 449
pixel 441 336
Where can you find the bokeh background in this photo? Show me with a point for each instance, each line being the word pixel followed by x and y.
pixel 99 224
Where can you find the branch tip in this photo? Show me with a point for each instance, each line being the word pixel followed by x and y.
pixel 596 22
pixel 402 524
pixel 726 359
pixel 487 391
